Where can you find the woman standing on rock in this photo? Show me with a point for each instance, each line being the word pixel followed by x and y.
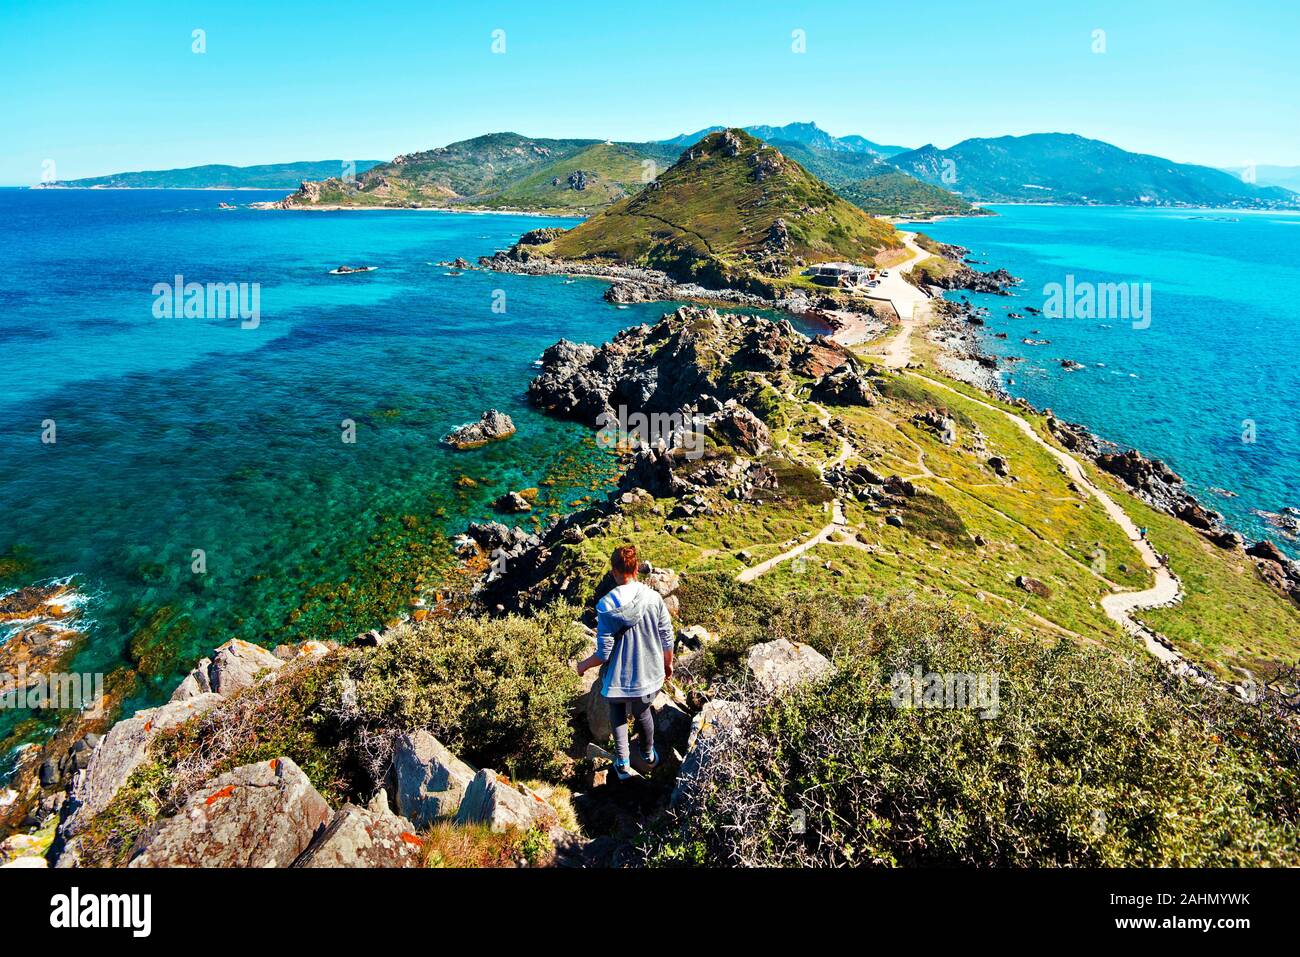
pixel 634 638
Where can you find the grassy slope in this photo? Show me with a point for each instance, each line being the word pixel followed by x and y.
pixel 897 194
pixel 730 212
pixel 612 170
pixel 506 171
pixel 1035 526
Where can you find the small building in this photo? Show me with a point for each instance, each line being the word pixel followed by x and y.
pixel 839 274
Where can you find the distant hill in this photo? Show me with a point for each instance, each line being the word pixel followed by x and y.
pixel 731 212
pixel 267 176
pixel 500 170
pixel 510 171
pixel 869 182
pixel 1288 177
pixel 805 134
pixel 1065 168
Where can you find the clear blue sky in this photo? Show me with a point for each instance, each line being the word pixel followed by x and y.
pixel 103 87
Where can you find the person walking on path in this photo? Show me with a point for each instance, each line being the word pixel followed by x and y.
pixel 634 646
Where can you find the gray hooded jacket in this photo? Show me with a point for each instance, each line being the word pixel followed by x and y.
pixel 637 666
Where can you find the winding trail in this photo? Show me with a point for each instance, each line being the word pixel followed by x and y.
pixel 1118 605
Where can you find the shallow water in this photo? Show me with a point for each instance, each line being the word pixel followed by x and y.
pixel 176 435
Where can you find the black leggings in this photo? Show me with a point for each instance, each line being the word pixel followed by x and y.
pixel 640 710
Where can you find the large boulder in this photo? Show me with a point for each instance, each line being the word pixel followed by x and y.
pixel 845 386
pixel 710 729
pixel 258 815
pixel 122 750
pixel 236 665
pixel 779 665
pixel 428 780
pixel 492 426
pixel 494 801
pixel 371 836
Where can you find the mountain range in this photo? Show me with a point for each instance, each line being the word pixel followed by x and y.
pixel 582 176
pixel 1071 169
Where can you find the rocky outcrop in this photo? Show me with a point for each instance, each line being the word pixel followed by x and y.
pixel 960 276
pixel 492 426
pixel 258 815
pixel 845 386
pixel 429 781
pixel 371 836
pixel 664 368
pixel 512 503
pixel 939 424
pixel 123 749
pixel 1159 486
pixel 538 237
pixel 777 666
pixel 1276 568
pixel 493 801
pixel 235 666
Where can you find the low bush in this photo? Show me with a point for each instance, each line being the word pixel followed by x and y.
pixel 494 690
pixel 1088 760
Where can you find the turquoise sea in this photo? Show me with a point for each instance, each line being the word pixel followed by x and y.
pixel 1211 384
pixel 180 434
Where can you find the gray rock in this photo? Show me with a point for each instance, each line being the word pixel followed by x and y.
pixel 429 781
pixel 938 423
pixel 495 802
pixel 238 664
pixel 120 752
pixel 195 683
pixel 258 815
pixel 491 427
pixel 709 730
pixel 779 665
pixel 371 836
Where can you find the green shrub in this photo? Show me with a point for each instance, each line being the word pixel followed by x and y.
pixel 1091 760
pixel 494 690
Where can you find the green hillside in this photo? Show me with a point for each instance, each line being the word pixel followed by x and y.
pixel 593 177
pixel 500 171
pixel 754 215
pixel 1070 169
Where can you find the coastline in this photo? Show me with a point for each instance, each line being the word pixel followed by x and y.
pixel 466 210
pixel 944 316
